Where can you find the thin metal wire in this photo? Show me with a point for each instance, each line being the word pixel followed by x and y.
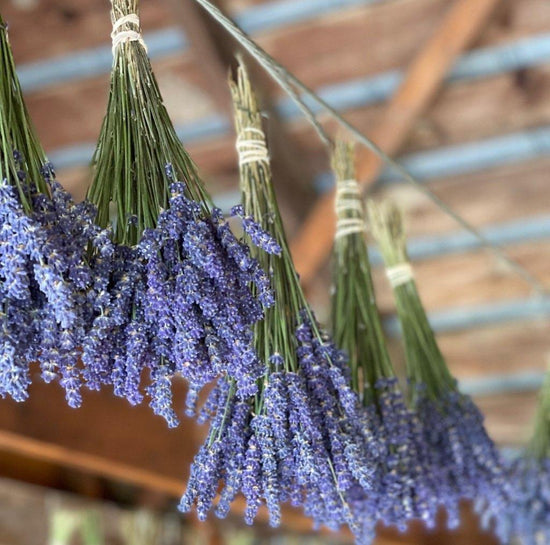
pixel 291 84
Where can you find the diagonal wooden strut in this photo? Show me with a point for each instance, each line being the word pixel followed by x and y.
pixel 311 247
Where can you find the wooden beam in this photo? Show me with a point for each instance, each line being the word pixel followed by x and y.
pixel 88 463
pixel 424 77
pixel 110 439
pixel 123 473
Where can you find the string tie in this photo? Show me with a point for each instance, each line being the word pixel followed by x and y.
pixel 349 210
pixel 400 274
pixel 251 146
pixel 119 36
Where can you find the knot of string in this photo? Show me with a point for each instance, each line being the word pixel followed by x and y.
pixel 251 146
pixel 119 36
pixel 399 274
pixel 349 210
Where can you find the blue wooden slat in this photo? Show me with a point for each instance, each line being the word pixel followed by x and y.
pixel 512 232
pixel 485 62
pixel 97 61
pixel 526 381
pixel 92 62
pixel 475 156
pixel 273 15
pixel 458 319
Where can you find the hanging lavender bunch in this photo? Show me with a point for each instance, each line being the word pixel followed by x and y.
pixel 526 517
pixel 465 460
pixel 179 300
pixel 303 437
pixel 405 487
pixel 45 274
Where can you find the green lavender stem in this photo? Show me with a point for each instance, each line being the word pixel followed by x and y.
pixel 17 132
pixel 425 363
pixel 136 142
pixel 259 201
pixel 356 323
pixel 539 446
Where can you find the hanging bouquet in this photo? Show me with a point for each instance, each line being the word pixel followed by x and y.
pixel 180 293
pixel 303 438
pixel 404 486
pixel 464 461
pixel 526 517
pixel 46 277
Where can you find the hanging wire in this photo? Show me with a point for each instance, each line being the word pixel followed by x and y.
pixel 291 84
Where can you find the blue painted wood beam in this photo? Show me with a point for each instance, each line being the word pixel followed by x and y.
pixel 468 317
pixel 169 41
pixel 357 93
pixel 528 229
pixel 525 381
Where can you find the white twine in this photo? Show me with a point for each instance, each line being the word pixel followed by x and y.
pixel 400 274
pixel 252 149
pixel 122 36
pixel 348 201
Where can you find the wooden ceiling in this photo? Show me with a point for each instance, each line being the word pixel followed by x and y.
pixel 481 143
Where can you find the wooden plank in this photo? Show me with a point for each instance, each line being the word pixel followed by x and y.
pixel 454 118
pixel 507 349
pixel 97 465
pixel 471 278
pixel 213 61
pixel 490 197
pixel 509 417
pixel 49 28
pixel 109 438
pixel 423 78
pixel 389 31
pixel 470 111
pixel 76 109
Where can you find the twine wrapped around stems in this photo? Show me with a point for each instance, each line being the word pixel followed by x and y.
pixel 425 363
pixel 137 139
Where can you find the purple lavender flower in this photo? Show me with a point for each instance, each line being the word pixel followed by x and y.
pixel 259 237
pixel 466 461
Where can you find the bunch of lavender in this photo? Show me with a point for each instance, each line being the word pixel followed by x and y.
pixel 465 461
pixel 180 296
pixel 45 274
pixel 404 487
pixel 526 518
pixel 303 437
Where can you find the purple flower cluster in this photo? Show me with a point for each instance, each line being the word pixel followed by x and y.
pixel 180 303
pixel 465 461
pixel 525 518
pixel 304 440
pixel 405 484
pixel 259 237
pixel 45 279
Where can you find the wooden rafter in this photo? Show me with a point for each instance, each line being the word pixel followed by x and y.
pixel 424 77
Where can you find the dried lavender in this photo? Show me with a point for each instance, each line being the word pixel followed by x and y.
pixel 45 275
pixel 404 485
pixel 186 302
pixel 303 438
pixel 526 517
pixel 465 461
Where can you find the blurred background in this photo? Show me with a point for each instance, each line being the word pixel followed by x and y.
pixel 457 90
